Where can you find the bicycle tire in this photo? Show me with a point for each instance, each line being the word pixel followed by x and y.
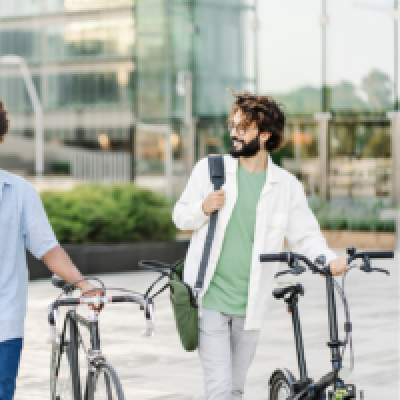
pixel 61 382
pixel 64 368
pixel 280 387
pixel 104 384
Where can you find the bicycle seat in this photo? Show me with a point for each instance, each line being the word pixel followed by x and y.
pixel 293 289
pixel 61 284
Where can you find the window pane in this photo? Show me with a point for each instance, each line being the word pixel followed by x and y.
pixel 100 38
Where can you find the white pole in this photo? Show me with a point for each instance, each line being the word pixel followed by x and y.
pixel 189 120
pixel 37 107
pixel 168 163
pixel 323 121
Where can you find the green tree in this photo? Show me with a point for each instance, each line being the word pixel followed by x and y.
pixel 378 88
pixel 344 97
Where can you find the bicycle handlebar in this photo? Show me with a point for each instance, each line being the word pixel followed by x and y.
pixel 98 300
pixel 146 304
pixel 274 257
pixel 292 260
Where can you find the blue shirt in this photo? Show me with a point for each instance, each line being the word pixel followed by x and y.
pixel 23 225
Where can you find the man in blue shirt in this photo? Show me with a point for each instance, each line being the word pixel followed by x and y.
pixel 23 225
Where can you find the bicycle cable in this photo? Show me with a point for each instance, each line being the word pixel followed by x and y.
pixel 348 327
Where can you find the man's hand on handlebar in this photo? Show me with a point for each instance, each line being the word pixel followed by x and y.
pixel 88 290
pixel 338 266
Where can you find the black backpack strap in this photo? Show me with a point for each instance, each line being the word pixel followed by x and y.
pixel 217 176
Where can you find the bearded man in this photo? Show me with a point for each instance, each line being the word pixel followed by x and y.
pixel 258 206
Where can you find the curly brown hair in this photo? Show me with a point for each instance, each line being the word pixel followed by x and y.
pixel 267 114
pixel 4 122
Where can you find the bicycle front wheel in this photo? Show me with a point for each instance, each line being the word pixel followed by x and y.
pixel 280 388
pixel 104 384
pixel 61 382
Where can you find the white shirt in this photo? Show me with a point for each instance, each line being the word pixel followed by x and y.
pixel 282 211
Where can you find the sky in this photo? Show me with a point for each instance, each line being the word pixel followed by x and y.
pixel 359 39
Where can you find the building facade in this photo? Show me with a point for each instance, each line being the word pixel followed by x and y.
pixel 112 74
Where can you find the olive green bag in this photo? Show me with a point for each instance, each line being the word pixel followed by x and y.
pixel 183 297
pixel 185 309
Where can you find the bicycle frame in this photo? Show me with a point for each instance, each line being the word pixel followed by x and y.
pixel 305 388
pixel 94 355
pixel 305 384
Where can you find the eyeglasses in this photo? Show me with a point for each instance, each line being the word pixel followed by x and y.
pixel 239 128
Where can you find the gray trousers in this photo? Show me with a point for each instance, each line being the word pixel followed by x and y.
pixel 226 351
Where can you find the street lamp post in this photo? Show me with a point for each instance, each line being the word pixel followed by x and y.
pixel 324 23
pixel 18 61
pixel 396 54
pixel 185 88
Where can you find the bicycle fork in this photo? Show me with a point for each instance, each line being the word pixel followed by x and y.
pixel 304 380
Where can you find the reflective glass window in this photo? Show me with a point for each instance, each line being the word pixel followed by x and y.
pixel 24 43
pixel 12 8
pixel 14 94
pixel 84 5
pixel 108 37
pixel 76 90
pixel 151 15
pixel 152 96
pixel 224 53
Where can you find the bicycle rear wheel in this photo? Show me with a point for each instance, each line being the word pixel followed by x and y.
pixel 280 387
pixel 104 384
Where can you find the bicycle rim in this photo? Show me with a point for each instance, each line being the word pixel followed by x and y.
pixel 107 385
pixel 63 385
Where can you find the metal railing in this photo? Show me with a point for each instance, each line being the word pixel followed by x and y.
pixel 99 166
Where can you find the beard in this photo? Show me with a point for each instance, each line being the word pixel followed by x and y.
pixel 248 149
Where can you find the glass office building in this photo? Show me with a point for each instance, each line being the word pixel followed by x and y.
pixel 108 71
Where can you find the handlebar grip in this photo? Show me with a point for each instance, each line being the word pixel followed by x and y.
pixel 274 257
pixel 379 254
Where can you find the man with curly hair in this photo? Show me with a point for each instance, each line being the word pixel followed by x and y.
pixel 23 225
pixel 259 205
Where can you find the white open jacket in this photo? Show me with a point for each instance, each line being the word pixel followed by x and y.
pixel 282 211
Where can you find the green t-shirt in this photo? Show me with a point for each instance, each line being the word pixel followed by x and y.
pixel 228 289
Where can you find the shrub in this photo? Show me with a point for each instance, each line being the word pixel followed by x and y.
pixel 115 213
pixel 61 167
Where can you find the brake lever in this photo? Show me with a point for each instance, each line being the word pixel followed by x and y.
pixel 149 313
pixel 295 271
pixel 288 271
pixel 384 271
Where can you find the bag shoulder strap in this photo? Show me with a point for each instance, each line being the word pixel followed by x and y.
pixel 217 177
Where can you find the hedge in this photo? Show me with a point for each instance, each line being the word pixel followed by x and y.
pixel 367 224
pixel 109 214
pixel 359 217
pixel 125 213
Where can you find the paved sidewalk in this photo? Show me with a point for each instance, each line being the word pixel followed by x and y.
pixel 158 368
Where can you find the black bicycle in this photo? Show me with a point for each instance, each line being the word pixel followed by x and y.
pixel 102 381
pixel 282 383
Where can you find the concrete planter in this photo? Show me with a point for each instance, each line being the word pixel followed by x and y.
pixel 360 240
pixel 93 259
